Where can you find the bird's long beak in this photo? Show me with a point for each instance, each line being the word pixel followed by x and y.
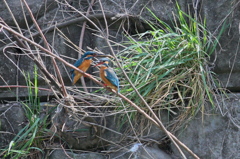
pixel 95 55
pixel 99 63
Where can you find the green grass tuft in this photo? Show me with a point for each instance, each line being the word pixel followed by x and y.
pixel 168 65
pixel 28 141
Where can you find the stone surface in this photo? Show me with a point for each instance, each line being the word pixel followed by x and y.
pixel 77 129
pixel 155 132
pixel 117 129
pixel 139 151
pixel 14 68
pixel 227 57
pixel 12 120
pixel 10 66
pixel 49 12
pixel 38 8
pixel 163 9
pixel 60 154
pixel 215 136
pixel 136 151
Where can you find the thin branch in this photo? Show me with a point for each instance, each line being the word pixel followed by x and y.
pixel 71 21
pixel 81 42
pixel 17 57
pixel 21 86
pixel 47 45
pixel 49 52
pixel 16 36
pixel 156 120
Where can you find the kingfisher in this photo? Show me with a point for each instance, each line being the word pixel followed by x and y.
pixel 107 74
pixel 83 64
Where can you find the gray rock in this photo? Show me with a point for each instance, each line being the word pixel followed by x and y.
pixel 9 67
pixel 116 131
pixel 148 152
pixel 74 129
pixel 227 63
pixel 155 132
pixel 11 122
pixel 60 154
pixel 163 9
pixel 38 8
pixel 139 151
pixel 215 136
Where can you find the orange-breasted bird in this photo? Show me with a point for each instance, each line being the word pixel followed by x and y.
pixel 107 74
pixel 83 64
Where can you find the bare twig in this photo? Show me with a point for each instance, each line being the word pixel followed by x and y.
pixel 37 62
pixel 49 52
pixel 46 44
pixel 156 120
pixel 20 86
pixel 71 21
pixel 81 42
pixel 17 57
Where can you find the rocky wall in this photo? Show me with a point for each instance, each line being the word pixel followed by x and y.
pixel 214 137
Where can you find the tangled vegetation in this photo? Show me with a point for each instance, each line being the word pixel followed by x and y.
pixel 169 67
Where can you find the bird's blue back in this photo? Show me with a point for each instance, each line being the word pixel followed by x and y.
pixel 76 64
pixel 112 77
pixel 80 61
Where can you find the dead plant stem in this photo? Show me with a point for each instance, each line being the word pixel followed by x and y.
pixel 17 57
pixel 50 53
pixel 47 46
pixel 156 119
pixel 81 42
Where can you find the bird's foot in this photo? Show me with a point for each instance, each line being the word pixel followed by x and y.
pixel 105 85
pixel 87 75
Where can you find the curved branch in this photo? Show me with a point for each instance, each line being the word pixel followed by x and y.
pixel 49 52
pixel 21 86
pixel 71 21
pixel 156 121
pixel 63 89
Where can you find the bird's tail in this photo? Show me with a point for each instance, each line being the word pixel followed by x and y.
pixel 76 78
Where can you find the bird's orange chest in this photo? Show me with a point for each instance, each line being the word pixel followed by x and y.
pixel 85 65
pixel 102 72
pixel 103 76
